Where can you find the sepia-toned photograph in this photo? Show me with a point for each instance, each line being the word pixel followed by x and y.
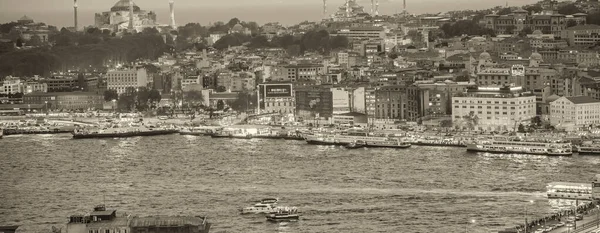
pixel 299 116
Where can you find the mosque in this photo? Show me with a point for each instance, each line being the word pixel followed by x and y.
pixel 117 19
pixel 349 11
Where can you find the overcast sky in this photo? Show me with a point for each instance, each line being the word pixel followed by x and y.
pixel 289 11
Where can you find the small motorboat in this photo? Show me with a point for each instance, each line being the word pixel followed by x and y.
pixel 285 215
pixel 356 145
pixel 269 201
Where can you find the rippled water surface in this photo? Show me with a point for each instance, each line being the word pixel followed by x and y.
pixel 44 179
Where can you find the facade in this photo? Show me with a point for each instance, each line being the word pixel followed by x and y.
pixel 341 100
pixel 278 98
pixel 11 85
pixel 191 82
pixel 575 111
pixel 60 83
pixel 118 18
pixel 493 108
pixel 120 80
pixel 582 35
pixel 30 87
pixel 390 102
pixel 314 102
pixel 237 81
pixel 351 118
pixel 66 100
pixel 362 33
pixel 547 22
pixel 298 72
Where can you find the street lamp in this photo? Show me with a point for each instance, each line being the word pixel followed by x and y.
pixel 526 222
pixel 46 103
pixel 467 225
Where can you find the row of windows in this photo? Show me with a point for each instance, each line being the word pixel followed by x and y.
pixel 490 102
pixel 108 231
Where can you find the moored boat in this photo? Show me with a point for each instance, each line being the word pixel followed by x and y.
pixel 518 146
pixel 121 132
pixel 588 148
pixel 355 145
pixel 260 208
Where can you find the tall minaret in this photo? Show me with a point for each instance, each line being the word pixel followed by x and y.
pixel 75 14
pixel 172 7
pixel 324 8
pixel 376 7
pixel 404 7
pixel 347 8
pixel 372 7
pixel 131 15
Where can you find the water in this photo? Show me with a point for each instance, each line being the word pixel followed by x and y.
pixel 44 179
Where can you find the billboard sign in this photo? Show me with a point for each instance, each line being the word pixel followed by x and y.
pixel 278 90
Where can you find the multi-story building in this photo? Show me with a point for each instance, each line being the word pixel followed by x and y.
pixel 314 102
pixel 493 108
pixel 575 111
pixel 547 22
pixel 11 85
pixel 237 81
pixel 390 102
pixel 192 83
pixel 362 33
pixel 370 102
pixel 32 86
pixel 582 35
pixel 297 72
pixel 277 97
pixel 60 83
pixel 120 80
pixel 66 100
pixel 440 96
pixel 341 100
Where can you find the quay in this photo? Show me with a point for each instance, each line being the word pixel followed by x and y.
pixel 18 131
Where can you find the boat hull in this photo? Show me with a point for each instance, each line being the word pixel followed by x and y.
pixel 123 135
pixel 18 132
pixel 475 148
pixel 324 143
pixel 192 133
pixel 291 218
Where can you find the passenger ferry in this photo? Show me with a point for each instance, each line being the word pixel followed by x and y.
pixel 121 132
pixel 347 138
pixel 285 215
pixel 566 190
pixel 589 148
pixel 389 143
pixel 517 145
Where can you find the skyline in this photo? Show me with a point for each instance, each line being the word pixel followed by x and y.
pixel 288 12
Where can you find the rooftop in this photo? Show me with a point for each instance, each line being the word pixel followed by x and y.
pixel 582 100
pixel 584 27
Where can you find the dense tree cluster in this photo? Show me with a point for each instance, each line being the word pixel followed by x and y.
pixel 90 50
pixel 140 99
pixel 465 27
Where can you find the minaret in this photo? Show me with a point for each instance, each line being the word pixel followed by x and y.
pixel 404 7
pixel 376 7
pixel 131 15
pixel 347 8
pixel 172 7
pixel 75 14
pixel 372 7
pixel 324 8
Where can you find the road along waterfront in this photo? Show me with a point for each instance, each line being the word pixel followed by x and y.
pixel 422 189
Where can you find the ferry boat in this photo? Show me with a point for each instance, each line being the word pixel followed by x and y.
pixel 260 208
pixel 517 145
pixel 389 143
pixel 286 215
pixel 588 148
pixel 196 131
pixel 566 190
pixel 120 132
pixel 343 139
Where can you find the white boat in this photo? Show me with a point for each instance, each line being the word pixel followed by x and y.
pixel 284 215
pixel 566 190
pixel 261 208
pixel 343 139
pixel 518 146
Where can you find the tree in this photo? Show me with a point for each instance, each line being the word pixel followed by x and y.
pixel 233 22
pixel 446 123
pixel 533 9
pixel 150 31
pixel 221 89
pixel 220 105
pixel 259 42
pixel 521 128
pixel 244 102
pixel 511 29
pixel 504 11
pixel 338 42
pixel 569 9
pixel 142 97
pixel 472 120
pixel 193 97
pixel 526 31
pixel 35 41
pixel 154 97
pixel 536 121
pixel 19 42
pixel 110 95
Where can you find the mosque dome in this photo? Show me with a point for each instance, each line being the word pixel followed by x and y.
pixel 123 5
pixel 485 56
pixel 536 56
pixel 237 28
pixel 537 32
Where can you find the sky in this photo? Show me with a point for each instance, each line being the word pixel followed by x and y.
pixel 59 12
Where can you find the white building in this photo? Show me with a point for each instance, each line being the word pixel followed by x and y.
pixel 191 82
pixel 31 87
pixel 11 85
pixel 341 100
pixel 120 80
pixel 493 108
pixel 575 111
